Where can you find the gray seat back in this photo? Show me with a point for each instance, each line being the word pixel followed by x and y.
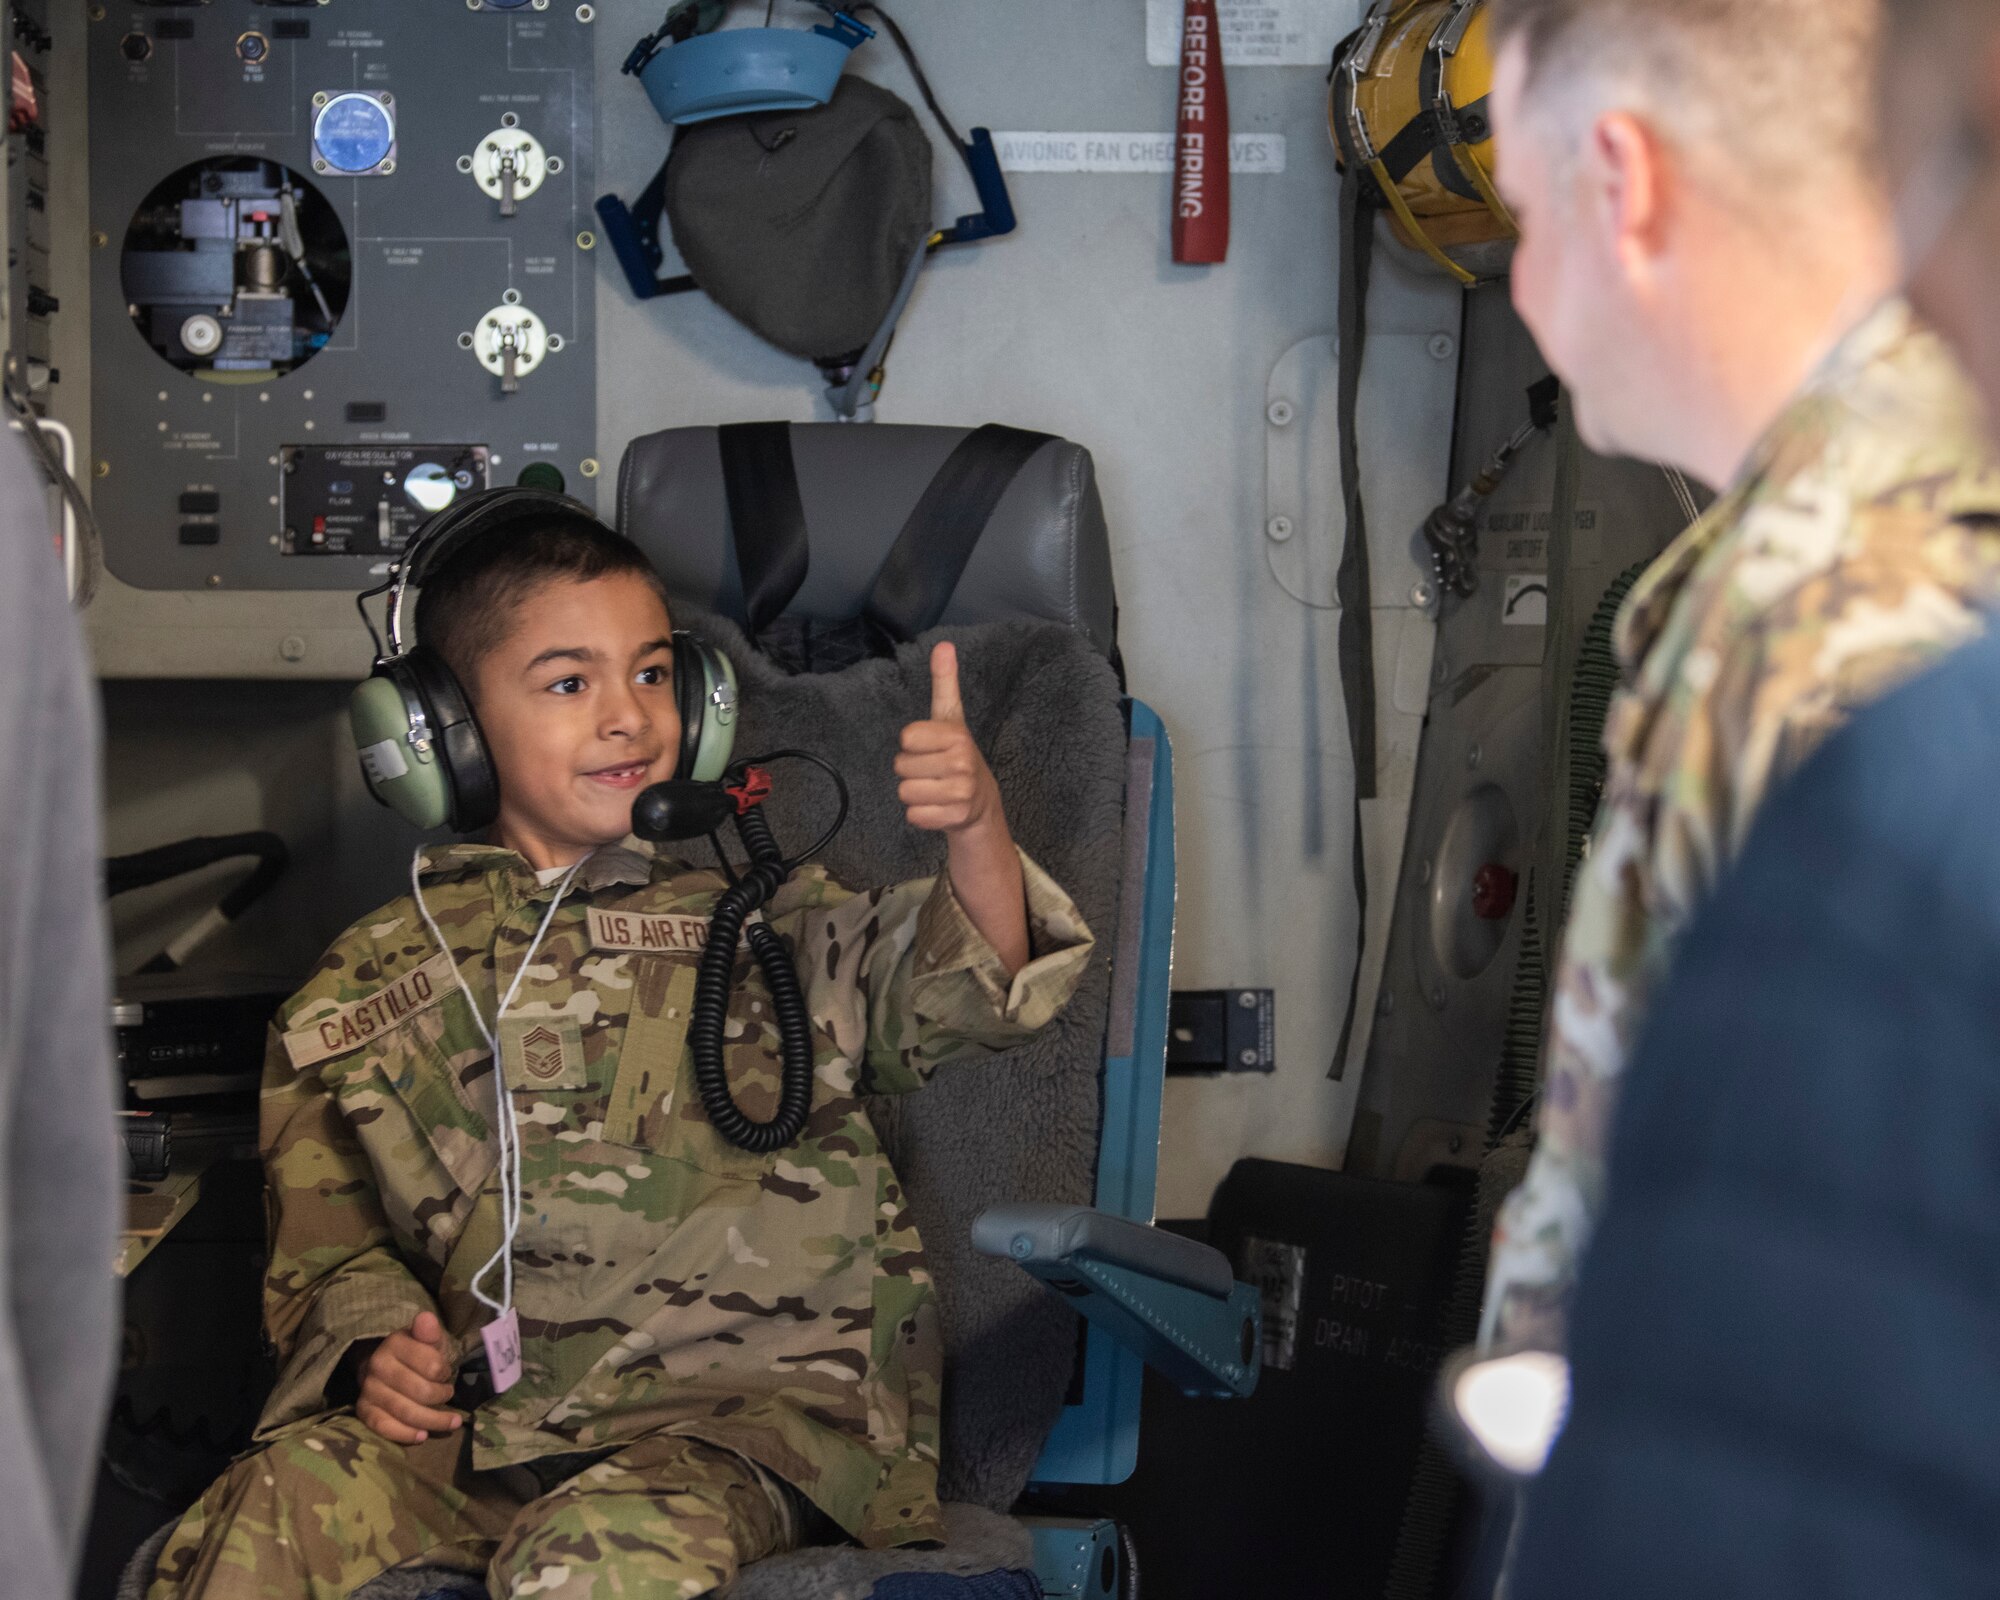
pixel 1045 554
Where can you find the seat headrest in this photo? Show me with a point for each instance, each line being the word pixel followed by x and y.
pixel 1045 554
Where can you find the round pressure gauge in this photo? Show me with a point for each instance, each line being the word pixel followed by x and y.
pixel 430 487
pixel 354 133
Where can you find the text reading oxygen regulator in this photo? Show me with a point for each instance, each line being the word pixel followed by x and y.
pixel 422 755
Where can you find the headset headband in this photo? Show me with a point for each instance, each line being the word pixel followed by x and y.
pixel 475 516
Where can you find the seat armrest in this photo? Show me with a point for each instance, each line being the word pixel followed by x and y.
pixel 1055 1232
pixel 1173 1300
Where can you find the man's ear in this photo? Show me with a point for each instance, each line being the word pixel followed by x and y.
pixel 1630 171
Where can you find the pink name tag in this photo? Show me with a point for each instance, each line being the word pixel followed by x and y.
pixel 503 1350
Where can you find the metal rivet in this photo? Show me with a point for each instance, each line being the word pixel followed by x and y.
pixel 586 241
pixel 215 580
pixel 1248 1058
pixel 1421 596
pixel 1247 1000
pixel 465 163
pixel 99 240
pixel 1279 528
pixel 103 469
pixel 1443 347
pixel 586 13
pixel 292 647
pixel 588 467
pixel 1280 413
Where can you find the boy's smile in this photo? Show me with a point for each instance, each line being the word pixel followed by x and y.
pixel 577 705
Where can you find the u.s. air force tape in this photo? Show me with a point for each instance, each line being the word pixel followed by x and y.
pixel 348 1027
pixel 668 932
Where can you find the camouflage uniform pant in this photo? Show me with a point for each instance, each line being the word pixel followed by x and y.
pixel 319 1513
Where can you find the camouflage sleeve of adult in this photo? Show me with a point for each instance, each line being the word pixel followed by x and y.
pixel 904 979
pixel 335 1277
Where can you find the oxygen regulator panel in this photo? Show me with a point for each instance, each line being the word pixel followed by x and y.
pixel 341 276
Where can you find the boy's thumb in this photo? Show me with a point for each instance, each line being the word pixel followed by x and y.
pixel 945 703
pixel 427 1329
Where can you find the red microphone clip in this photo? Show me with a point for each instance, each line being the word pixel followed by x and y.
pixel 752 792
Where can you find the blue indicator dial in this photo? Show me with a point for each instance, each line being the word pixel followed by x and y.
pixel 354 133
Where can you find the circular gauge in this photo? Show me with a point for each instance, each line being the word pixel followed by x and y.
pixel 354 133
pixel 201 335
pixel 430 487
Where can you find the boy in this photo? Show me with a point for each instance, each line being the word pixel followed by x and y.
pixel 722 1351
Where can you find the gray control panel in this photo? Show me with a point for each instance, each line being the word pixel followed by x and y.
pixel 342 272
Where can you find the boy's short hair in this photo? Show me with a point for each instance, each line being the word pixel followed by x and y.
pixel 467 607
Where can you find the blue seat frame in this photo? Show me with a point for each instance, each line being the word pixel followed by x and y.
pixel 1148 1297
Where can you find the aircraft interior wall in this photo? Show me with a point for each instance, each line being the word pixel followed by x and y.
pixel 1076 325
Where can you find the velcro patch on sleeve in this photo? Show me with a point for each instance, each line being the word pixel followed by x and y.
pixel 350 1026
pixel 666 933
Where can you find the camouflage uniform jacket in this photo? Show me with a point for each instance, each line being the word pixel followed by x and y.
pixel 775 1305
pixel 1858 545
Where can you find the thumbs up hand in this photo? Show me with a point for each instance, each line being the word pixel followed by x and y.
pixel 946 785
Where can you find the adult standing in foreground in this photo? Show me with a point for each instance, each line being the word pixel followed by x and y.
pixel 1782 1347
pixel 1707 259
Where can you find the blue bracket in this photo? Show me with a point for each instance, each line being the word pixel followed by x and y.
pixel 996 214
pixel 1207 1347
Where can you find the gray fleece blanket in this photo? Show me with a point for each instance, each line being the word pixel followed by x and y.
pixel 1044 707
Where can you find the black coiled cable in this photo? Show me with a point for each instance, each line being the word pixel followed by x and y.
pixel 709 1015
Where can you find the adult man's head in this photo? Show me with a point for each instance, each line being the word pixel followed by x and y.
pixel 1700 213
pixel 1940 119
pixel 560 636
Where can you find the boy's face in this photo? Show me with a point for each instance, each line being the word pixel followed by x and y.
pixel 577 706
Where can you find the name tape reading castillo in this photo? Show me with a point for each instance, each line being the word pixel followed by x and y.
pixel 352 1025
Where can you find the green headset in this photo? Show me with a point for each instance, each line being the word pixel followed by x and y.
pixel 421 750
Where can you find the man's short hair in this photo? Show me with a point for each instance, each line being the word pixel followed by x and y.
pixel 469 605
pixel 1772 96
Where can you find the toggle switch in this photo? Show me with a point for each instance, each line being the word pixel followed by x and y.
pixel 509 165
pixel 510 342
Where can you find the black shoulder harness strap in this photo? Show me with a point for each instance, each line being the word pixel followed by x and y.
pixel 916 581
pixel 767 520
pixel 931 553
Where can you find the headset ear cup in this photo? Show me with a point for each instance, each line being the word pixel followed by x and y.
pixel 411 782
pixel 705 680
pixel 689 689
pixel 461 747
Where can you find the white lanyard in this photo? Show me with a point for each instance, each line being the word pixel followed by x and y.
pixel 510 1136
